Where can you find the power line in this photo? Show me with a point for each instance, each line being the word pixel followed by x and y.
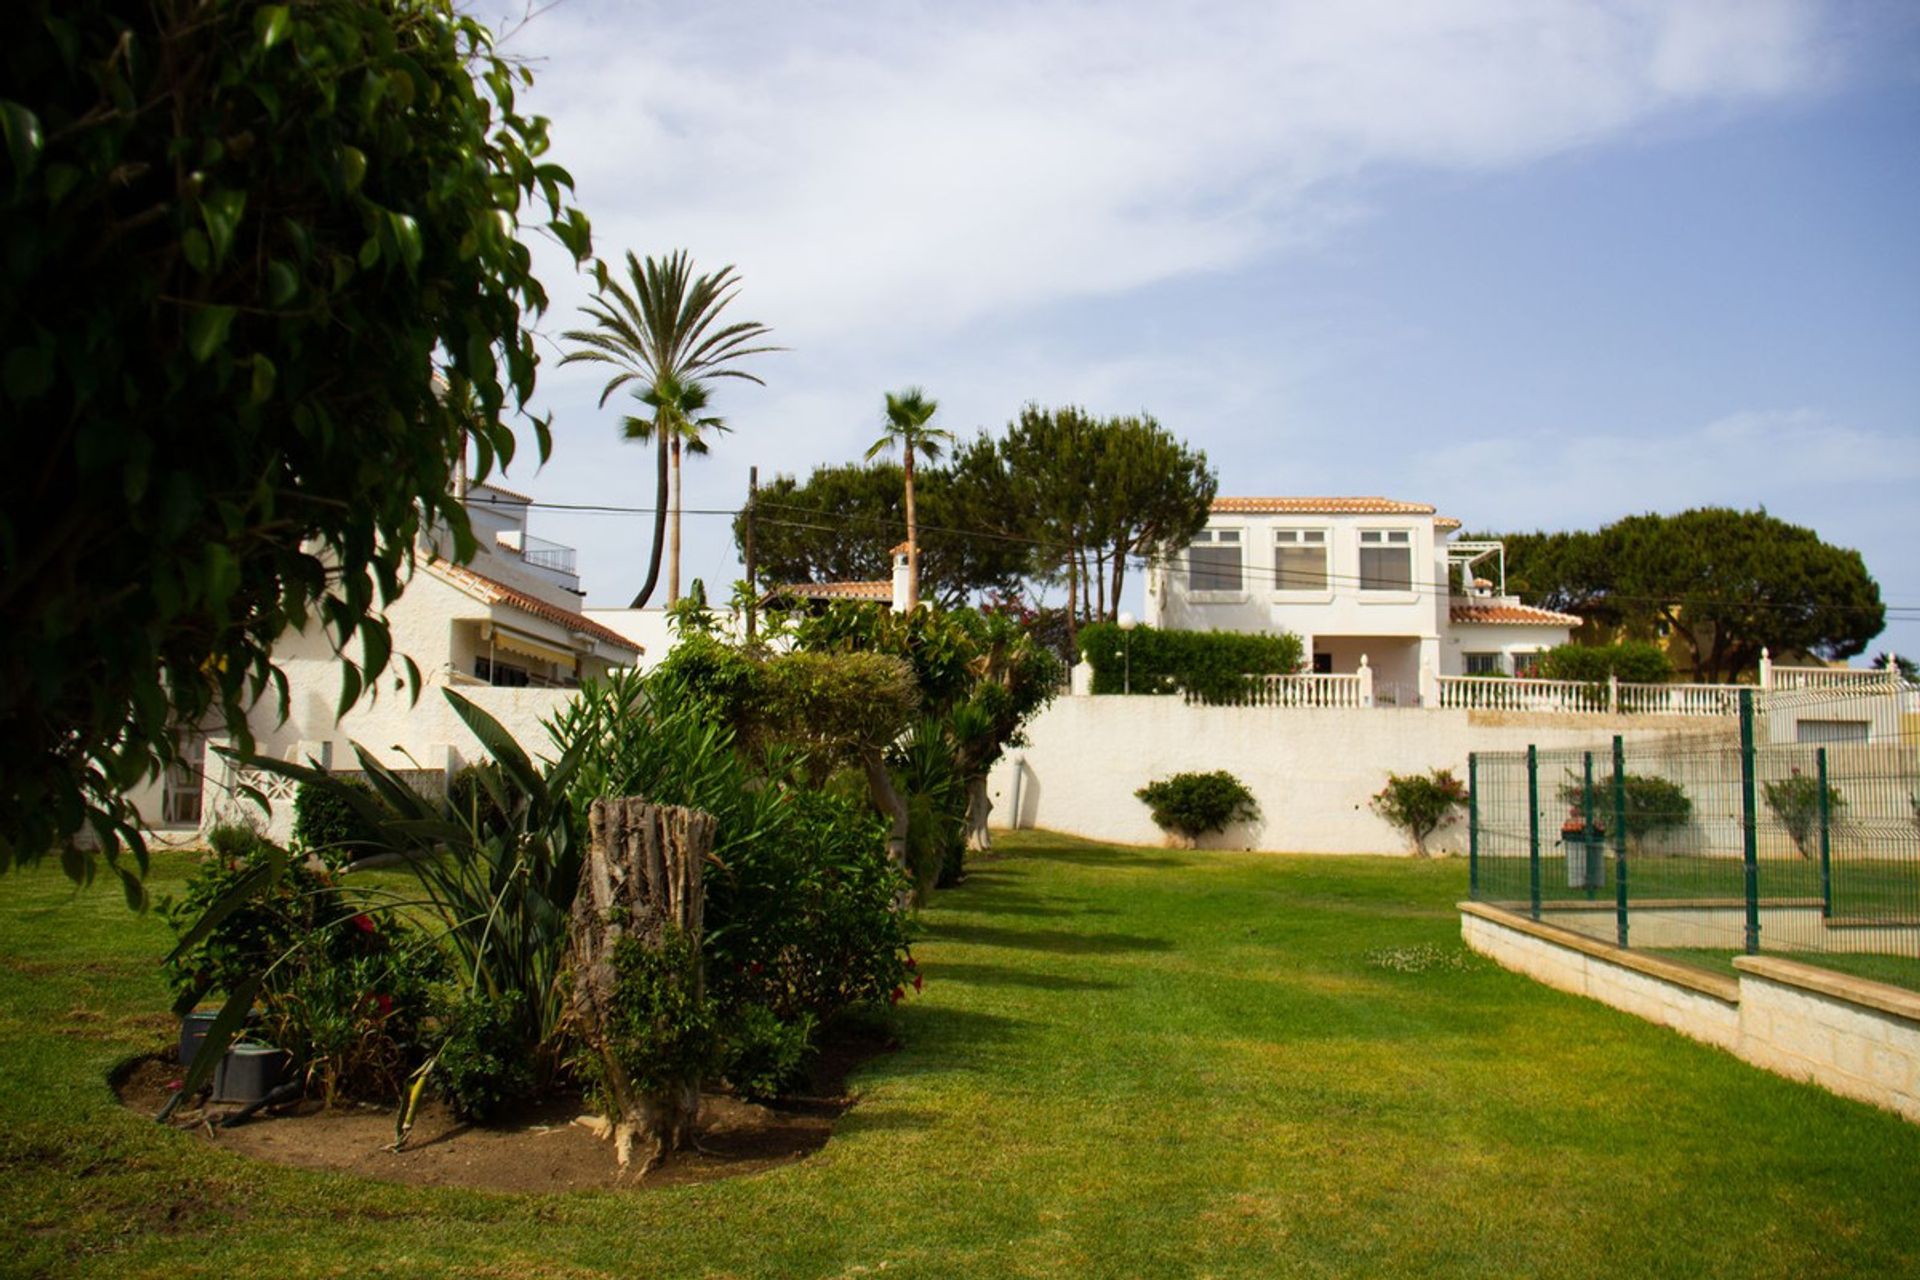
pixel 1261 574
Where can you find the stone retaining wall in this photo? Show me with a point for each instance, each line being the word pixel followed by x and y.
pixel 1857 1038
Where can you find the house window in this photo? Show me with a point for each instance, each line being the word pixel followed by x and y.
pixel 1386 560
pixel 1300 559
pixel 1526 666
pixel 1323 664
pixel 1484 664
pixel 1213 561
pixel 500 674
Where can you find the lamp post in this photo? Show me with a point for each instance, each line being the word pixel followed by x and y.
pixel 1127 623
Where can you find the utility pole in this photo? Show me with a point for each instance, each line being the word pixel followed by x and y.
pixel 753 591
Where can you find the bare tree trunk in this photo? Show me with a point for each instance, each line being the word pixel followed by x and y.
pixel 913 532
pixel 1073 619
pixel 673 546
pixel 1119 579
pixel 979 809
pixel 887 798
pixel 641 879
pixel 659 528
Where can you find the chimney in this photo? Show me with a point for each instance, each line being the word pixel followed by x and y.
pixel 902 570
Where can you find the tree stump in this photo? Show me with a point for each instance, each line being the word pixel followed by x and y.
pixel 641 880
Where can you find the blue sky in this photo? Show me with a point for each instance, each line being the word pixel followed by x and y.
pixel 1542 263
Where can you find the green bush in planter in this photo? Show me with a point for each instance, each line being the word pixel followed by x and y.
pixel 1653 804
pixel 1192 804
pixel 1211 665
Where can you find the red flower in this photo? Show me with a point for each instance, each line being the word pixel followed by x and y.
pixel 899 994
pixel 918 982
pixel 912 963
pixel 386 1004
pixel 364 923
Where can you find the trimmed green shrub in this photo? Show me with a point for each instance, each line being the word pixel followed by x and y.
pixel 662 1034
pixel 1192 804
pixel 1631 662
pixel 1213 666
pixel 484 1068
pixel 325 823
pixel 1795 802
pixel 1420 803
pixel 767 1058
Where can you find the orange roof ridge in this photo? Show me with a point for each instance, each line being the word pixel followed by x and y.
pixel 491 591
pixel 835 590
pixel 1511 614
pixel 1324 506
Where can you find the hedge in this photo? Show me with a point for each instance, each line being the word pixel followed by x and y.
pixel 1211 665
pixel 1632 662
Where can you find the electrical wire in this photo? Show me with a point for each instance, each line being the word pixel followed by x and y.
pixel 1261 574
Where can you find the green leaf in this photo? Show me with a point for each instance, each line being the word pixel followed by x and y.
pixel 207 330
pixel 195 249
pixel 349 689
pixel 24 140
pixel 406 234
pixel 282 283
pixel 223 574
pixel 376 647
pixel 353 167
pixel 264 375
pixel 369 252
pixel 271 23
pixel 221 212
pixel 134 891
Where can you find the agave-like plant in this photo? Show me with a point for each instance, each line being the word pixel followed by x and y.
pixel 496 883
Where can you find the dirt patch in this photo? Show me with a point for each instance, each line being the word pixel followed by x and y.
pixel 539 1151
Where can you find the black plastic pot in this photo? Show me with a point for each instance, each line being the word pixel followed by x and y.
pixel 249 1072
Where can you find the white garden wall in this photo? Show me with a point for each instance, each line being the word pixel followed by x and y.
pixel 1313 770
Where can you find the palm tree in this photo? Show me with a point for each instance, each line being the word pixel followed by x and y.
pixel 907 415
pixel 676 406
pixel 662 331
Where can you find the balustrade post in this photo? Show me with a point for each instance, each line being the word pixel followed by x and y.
pixel 1366 682
pixel 1613 694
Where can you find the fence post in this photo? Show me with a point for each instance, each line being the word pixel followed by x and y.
pixel 1613 694
pixel 1366 682
pixel 1533 828
pixel 1589 866
pixel 1473 825
pixel 1620 838
pixel 1749 823
pixel 1826 839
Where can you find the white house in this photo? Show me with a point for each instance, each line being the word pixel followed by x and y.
pixel 506 628
pixel 1356 577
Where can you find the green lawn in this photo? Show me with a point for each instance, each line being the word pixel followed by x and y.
pixel 1901 971
pixel 1125 1063
pixel 1876 888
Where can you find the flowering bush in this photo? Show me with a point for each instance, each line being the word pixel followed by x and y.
pixel 1795 802
pixel 1420 803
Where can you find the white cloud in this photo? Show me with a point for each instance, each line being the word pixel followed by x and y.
pixel 889 165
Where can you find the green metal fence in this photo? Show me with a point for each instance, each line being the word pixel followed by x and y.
pixel 1704 846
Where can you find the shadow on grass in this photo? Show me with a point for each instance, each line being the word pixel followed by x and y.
pixel 994 975
pixel 1114 858
pixel 1056 942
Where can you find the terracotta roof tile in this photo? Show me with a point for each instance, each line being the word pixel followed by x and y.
pixel 836 590
pixel 1520 615
pixel 1322 506
pixel 488 591
pixel 491 487
pixel 1448 523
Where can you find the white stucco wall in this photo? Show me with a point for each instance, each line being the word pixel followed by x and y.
pixel 1312 770
pixel 1342 609
pixel 1507 639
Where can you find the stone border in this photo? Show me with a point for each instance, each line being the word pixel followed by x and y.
pixel 1853 1036
pixel 1689 976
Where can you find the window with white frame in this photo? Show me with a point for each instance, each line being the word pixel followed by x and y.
pixel 1213 561
pixel 1484 664
pixel 1386 560
pixel 1300 559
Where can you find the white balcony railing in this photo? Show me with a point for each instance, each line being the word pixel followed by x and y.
pixel 1302 691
